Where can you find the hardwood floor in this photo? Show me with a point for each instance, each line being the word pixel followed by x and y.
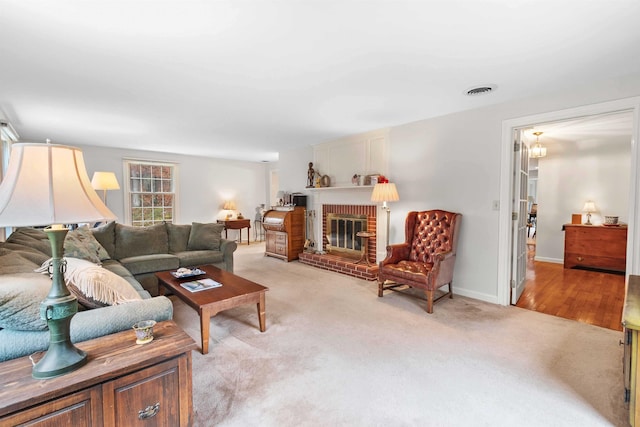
pixel 591 297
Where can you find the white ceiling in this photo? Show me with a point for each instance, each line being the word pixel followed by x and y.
pixel 246 79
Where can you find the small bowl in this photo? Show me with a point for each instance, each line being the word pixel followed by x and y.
pixel 144 331
pixel 611 220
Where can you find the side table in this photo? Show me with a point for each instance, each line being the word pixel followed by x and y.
pixel 236 224
pixel 365 236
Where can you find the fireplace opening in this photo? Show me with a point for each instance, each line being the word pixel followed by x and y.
pixel 341 230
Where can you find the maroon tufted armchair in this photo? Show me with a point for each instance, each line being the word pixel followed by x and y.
pixel 426 259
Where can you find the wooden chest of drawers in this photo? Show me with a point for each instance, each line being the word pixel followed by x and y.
pixel 122 384
pixel 595 246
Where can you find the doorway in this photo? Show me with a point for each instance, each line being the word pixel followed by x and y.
pixel 631 105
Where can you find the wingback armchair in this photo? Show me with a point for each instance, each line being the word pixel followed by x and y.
pixel 427 257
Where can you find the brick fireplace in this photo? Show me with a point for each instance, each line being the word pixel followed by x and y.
pixel 339 261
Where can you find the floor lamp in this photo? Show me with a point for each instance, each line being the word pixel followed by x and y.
pixel 48 185
pixel 104 181
pixel 385 193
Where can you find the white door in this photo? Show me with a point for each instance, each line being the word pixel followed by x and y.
pixel 519 215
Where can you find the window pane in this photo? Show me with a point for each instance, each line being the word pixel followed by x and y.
pixel 151 193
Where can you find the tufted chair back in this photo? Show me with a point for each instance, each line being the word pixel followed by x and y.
pixel 430 232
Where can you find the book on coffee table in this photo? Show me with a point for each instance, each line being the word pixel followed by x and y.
pixel 200 285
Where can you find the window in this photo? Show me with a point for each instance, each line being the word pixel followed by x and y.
pixel 151 196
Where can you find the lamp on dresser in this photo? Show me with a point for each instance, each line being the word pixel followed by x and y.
pixel 589 208
pixel 384 193
pixel 47 185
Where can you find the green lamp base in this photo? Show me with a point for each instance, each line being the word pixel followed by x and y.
pixel 57 310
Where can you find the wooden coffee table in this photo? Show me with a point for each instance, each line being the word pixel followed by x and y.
pixel 235 291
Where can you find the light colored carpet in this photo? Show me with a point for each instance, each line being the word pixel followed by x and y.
pixel 334 354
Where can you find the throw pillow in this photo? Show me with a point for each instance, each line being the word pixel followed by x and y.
pixel 178 237
pixel 95 286
pixel 205 236
pixel 106 236
pixel 80 243
pixel 135 241
pixel 20 298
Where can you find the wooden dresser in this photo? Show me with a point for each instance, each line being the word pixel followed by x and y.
pixel 122 384
pixel 284 232
pixel 595 246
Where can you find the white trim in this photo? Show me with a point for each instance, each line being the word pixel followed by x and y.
pixel 473 294
pixel 506 172
pixel 551 260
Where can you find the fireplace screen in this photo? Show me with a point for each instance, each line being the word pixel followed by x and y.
pixel 341 233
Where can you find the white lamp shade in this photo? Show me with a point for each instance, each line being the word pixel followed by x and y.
pixel 48 184
pixel 589 207
pixel 105 181
pixel 229 205
pixel 385 193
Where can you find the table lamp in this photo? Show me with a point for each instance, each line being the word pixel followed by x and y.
pixel 589 207
pixel 384 193
pixel 104 181
pixel 48 185
pixel 229 206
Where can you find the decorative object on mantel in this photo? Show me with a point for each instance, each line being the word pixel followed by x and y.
pixel 356 179
pixel 589 208
pixel 385 192
pixel 325 181
pixel 47 184
pixel 311 174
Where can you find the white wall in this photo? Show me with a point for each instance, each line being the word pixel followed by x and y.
pixel 571 174
pixel 203 183
pixel 453 162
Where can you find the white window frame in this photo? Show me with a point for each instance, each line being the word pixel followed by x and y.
pixel 127 162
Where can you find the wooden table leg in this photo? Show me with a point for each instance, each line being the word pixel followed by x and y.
pixel 205 320
pixel 261 312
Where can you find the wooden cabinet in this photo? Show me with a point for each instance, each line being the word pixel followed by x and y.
pixel 595 246
pixel 285 232
pixel 631 360
pixel 122 384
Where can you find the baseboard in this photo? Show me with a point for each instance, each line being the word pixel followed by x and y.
pixel 545 259
pixel 493 299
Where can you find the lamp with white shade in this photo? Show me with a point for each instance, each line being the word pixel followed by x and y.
pixel 385 192
pixel 589 208
pixel 104 181
pixel 229 206
pixel 48 185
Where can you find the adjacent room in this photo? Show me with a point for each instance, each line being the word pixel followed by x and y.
pixel 353 213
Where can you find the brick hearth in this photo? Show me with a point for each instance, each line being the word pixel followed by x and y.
pixel 340 265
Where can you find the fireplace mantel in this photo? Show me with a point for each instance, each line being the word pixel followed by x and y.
pixel 350 187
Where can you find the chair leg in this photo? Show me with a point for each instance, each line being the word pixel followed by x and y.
pixel 450 290
pixel 429 301
pixel 380 288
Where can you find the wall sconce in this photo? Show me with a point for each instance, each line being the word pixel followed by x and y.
pixel 589 208
pixel 537 151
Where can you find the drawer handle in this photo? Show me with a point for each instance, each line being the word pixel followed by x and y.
pixel 580 258
pixel 149 412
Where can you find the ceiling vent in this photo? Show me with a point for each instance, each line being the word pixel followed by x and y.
pixel 480 90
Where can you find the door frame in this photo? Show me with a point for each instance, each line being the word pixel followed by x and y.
pixel 506 182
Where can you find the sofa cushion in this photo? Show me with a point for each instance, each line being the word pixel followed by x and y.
pixel 106 236
pixel 150 263
pixel 32 238
pixel 81 243
pixel 178 237
pixel 196 258
pixel 205 236
pixel 20 298
pixel 14 261
pixel 136 241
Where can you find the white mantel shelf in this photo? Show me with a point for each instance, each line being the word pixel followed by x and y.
pixel 346 187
